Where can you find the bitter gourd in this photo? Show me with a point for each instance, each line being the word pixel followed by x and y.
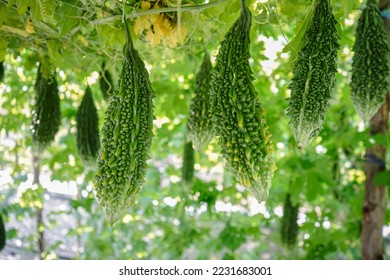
pixel 87 122
pixel 188 163
pixel 126 137
pixel 289 228
pixel 2 233
pixel 370 65
pixel 313 75
pixel 105 81
pixel 200 128
pixel 1 71
pixel 238 118
pixel 47 111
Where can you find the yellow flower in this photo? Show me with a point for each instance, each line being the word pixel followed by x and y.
pixel 142 23
pixel 162 26
pixel 153 38
pixel 145 5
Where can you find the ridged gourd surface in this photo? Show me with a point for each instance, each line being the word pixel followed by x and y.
pixel 126 137
pixel 188 163
pixel 238 118
pixel 370 66
pixel 47 110
pixel 200 128
pixel 289 225
pixel 87 123
pixel 313 75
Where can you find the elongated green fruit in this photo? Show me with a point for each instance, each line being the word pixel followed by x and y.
pixel 88 142
pixel 314 75
pixel 47 111
pixel 370 66
pixel 200 128
pixel 126 137
pixel 2 234
pixel 238 118
pixel 289 227
pixel 188 163
pixel 1 71
pixel 105 81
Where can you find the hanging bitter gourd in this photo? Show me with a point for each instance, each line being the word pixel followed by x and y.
pixel 313 75
pixel 105 81
pixel 238 118
pixel 1 71
pixel 87 123
pixel 200 128
pixel 187 169
pixel 289 228
pixel 370 65
pixel 2 233
pixel 126 137
pixel 47 111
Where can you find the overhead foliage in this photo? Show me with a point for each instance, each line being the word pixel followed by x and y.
pixel 214 217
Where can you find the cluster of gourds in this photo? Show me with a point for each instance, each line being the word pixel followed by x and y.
pixel 225 104
pixel 314 71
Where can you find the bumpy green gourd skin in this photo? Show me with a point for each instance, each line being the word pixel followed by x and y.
pixel 370 66
pixel 289 226
pixel 314 75
pixel 47 111
pixel 200 128
pixel 87 119
pixel 1 71
pixel 238 118
pixel 2 234
pixel 105 81
pixel 126 137
pixel 188 163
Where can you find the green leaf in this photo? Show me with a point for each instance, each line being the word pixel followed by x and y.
pixel 3 48
pixel 68 16
pixel 383 178
pixel 3 14
pixel 53 48
pixel 295 44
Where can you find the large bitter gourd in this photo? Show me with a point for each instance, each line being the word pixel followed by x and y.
pixel 47 111
pixel 238 118
pixel 370 66
pixel 289 228
pixel 126 137
pixel 313 75
pixel 200 128
pixel 87 122
pixel 105 81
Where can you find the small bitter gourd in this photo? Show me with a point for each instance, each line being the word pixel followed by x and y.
pixel 126 137
pixel 238 118
pixel 87 123
pixel 289 228
pixel 105 81
pixel 370 65
pixel 188 163
pixel 2 234
pixel 313 75
pixel 1 71
pixel 47 111
pixel 200 128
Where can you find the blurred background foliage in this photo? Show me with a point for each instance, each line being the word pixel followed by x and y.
pixel 215 218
